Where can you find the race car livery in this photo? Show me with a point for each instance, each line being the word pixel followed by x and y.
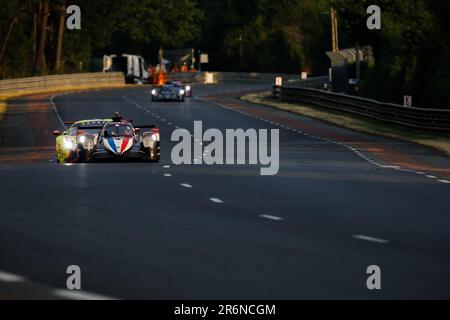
pixel 119 140
pixel 67 141
pixel 172 91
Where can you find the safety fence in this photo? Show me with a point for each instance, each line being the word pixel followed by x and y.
pixel 419 118
pixel 230 77
pixel 58 82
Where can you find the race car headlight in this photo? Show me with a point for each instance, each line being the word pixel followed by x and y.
pixel 150 139
pixel 182 92
pixel 154 92
pixel 82 139
pixel 69 145
pixel 188 88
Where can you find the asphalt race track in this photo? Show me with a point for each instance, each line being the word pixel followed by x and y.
pixel 342 201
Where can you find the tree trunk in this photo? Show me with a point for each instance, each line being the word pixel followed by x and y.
pixel 61 28
pixel 34 39
pixel 41 64
pixel 7 37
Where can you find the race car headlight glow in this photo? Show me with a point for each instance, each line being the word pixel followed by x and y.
pixel 150 139
pixel 181 92
pixel 69 145
pixel 82 139
pixel 188 88
pixel 154 92
pixel 155 137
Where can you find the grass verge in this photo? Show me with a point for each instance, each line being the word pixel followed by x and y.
pixel 437 141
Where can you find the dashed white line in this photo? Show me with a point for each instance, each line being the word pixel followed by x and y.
pixel 444 181
pixel 270 217
pixel 186 185
pixel 166 167
pixel 9 277
pixel 370 239
pixel 79 295
pixel 167 175
pixel 431 177
pixel 215 200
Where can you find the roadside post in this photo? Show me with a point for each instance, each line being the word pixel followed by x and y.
pixel 407 101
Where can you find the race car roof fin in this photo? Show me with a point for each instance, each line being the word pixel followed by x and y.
pixel 145 126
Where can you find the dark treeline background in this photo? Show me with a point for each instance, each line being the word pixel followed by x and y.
pixel 412 51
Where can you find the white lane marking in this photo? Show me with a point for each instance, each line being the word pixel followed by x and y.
pixel 431 177
pixel 167 175
pixel 268 216
pixel 166 167
pixel 390 167
pixel 444 181
pixel 80 295
pixel 56 112
pixel 371 239
pixel 215 200
pixel 186 185
pixel 9 277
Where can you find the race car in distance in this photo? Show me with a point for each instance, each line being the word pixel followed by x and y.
pixel 169 92
pixel 67 141
pixel 187 88
pixel 119 140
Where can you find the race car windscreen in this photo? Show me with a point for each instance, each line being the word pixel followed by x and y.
pixel 118 130
pixel 87 131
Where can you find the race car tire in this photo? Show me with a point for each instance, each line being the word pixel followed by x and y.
pixel 153 154
pixel 82 155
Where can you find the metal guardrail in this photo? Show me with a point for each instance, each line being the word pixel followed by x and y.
pixel 62 81
pixel 313 83
pixel 419 118
pixel 227 77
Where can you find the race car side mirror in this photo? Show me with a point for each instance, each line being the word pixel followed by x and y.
pixel 57 133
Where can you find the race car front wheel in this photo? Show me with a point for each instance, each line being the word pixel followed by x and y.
pixel 154 154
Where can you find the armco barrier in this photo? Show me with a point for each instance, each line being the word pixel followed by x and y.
pixel 62 81
pixel 419 118
pixel 231 77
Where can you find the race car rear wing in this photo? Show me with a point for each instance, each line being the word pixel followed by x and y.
pixel 90 127
pixel 101 127
pixel 145 126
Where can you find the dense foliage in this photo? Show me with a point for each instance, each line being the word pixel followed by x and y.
pixel 412 51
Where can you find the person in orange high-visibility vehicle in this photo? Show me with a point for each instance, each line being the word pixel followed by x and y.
pixel 161 78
